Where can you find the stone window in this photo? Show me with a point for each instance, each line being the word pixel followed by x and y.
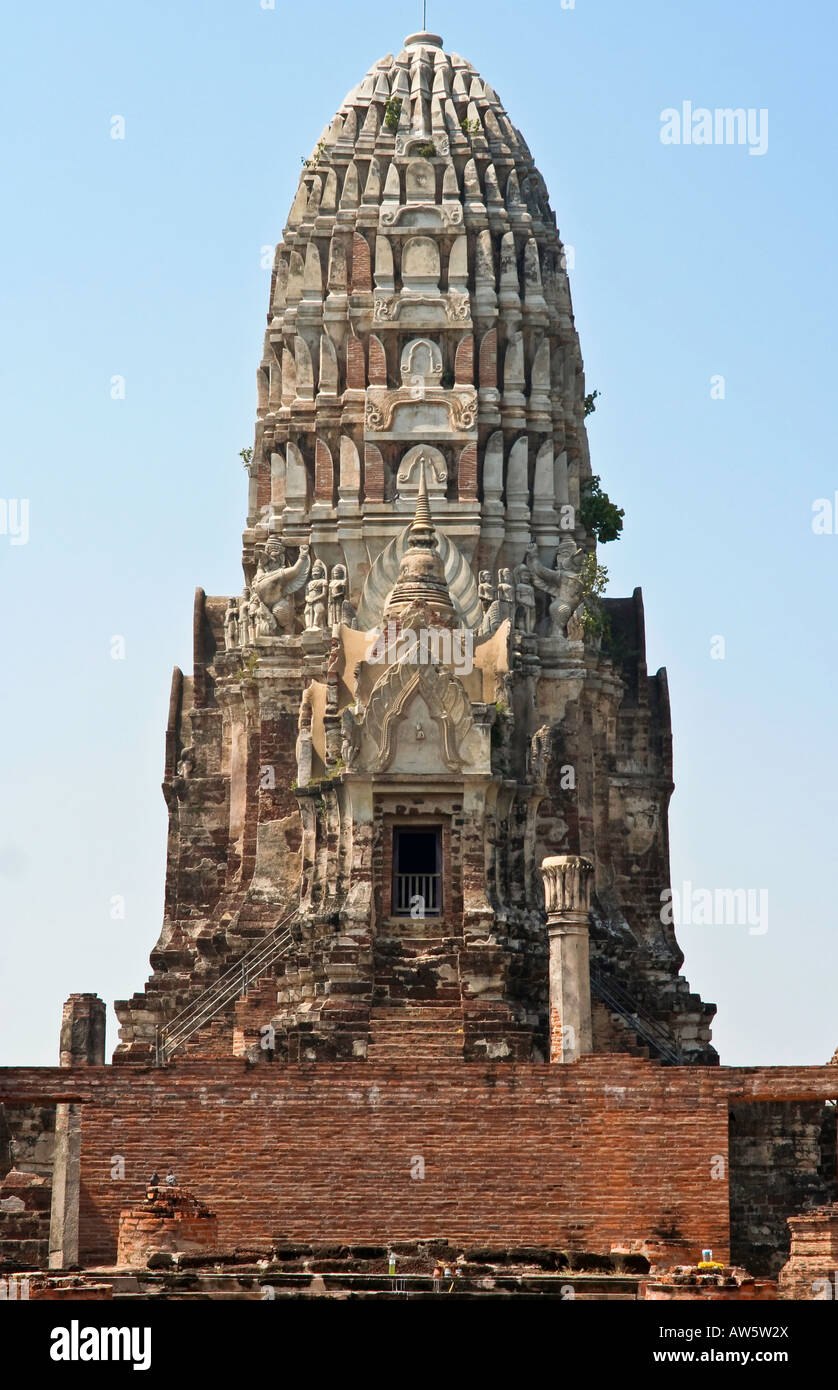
pixel 417 871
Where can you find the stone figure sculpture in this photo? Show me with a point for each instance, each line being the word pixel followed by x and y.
pixel 337 595
pixel 350 737
pixel 502 604
pixel 524 602
pixel 562 583
pixel 231 625
pixel 317 591
pixel 485 591
pixel 262 622
pixel 539 753
pixel 506 595
pixel 245 629
pixel 276 582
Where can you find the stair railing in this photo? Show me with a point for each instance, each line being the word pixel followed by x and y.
pixel 233 984
pixel 620 1001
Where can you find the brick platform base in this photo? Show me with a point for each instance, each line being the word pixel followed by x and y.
pixel 609 1153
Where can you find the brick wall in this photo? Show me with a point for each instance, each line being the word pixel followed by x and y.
pixel 607 1151
pixel 782 1160
pixel 583 1157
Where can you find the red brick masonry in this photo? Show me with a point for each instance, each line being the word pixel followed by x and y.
pixel 169 1219
pixel 603 1152
pixel 812 1268
pixel 690 1283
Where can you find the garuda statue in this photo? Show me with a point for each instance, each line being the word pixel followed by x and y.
pixel 275 583
pixel 562 583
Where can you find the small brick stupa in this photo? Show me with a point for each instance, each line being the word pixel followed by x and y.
pixel 169 1221
pixel 810 1272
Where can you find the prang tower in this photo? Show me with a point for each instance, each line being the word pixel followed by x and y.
pixel 417 807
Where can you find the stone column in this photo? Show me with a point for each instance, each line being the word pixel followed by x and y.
pixel 83 1032
pixel 82 1045
pixel 567 893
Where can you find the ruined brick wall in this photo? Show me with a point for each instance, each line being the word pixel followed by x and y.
pixel 27 1141
pixel 604 1152
pixel 782 1161
pixel 27 1136
pixel 582 1157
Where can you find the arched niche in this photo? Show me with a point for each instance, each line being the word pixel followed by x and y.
pixel 421 363
pixel 410 471
pixel 420 266
pixel 420 181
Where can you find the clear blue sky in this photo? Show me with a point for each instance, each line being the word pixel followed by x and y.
pixel 142 258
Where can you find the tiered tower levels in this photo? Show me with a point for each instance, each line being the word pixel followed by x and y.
pixel 395 804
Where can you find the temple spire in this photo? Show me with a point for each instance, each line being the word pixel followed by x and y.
pixel 422 531
pixel 421 580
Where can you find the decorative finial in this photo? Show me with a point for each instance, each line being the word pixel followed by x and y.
pixel 422 520
pixel 423 40
pixel 421 581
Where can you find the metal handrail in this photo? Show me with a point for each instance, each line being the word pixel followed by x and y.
pixel 233 984
pixel 640 1022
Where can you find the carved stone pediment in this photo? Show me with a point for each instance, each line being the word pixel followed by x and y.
pixel 409 144
pixel 420 712
pixel 403 413
pixel 436 472
pixel 436 217
pixel 422 310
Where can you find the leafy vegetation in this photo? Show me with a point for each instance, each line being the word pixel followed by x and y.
pixel 316 157
pixel 248 667
pixel 595 621
pixel 392 113
pixel 599 515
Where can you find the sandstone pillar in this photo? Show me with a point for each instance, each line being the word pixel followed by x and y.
pixel 567 894
pixel 83 1032
pixel 82 1045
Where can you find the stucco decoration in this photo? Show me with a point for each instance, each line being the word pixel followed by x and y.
pixel 438 695
pixel 462 585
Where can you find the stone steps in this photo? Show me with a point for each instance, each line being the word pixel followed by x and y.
pixel 409 1031
pixel 404 1051
pixel 403 1012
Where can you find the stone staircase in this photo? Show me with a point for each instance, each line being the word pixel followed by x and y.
pixel 427 1033
pixel 416 969
pixel 417 1010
